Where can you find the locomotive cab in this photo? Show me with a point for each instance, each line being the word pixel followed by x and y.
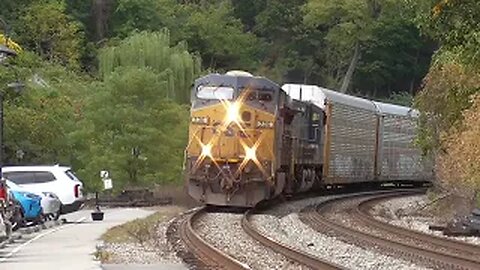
pixel 230 158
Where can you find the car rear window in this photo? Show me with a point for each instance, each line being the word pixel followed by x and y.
pixel 20 178
pixel 71 175
pixel 25 178
pixel 44 177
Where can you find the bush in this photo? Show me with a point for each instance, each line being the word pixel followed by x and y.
pixel 459 165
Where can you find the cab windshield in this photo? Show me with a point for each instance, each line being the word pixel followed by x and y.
pixel 215 92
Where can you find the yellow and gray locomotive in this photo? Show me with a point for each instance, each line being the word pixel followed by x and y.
pixel 251 140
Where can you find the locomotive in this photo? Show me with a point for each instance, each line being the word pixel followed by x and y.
pixel 251 140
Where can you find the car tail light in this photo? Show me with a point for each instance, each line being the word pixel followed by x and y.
pixel 3 192
pixel 76 190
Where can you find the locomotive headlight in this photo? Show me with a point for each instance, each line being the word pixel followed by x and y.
pixel 207 150
pixel 200 120
pixel 250 153
pixel 233 112
pixel 264 124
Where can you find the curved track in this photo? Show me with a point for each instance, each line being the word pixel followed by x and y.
pixel 461 249
pixel 298 256
pixel 206 255
pixel 432 251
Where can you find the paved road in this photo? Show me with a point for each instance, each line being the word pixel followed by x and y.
pixel 69 246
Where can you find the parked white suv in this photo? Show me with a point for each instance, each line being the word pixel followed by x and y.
pixel 59 180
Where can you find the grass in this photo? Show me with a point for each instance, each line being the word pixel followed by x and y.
pixel 102 255
pixel 139 230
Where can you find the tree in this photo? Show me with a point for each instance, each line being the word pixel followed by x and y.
pixel 453 76
pixel 395 58
pixel 459 165
pixel 247 10
pixel 132 130
pixel 49 31
pixel 449 99
pixel 213 32
pixel 39 120
pixel 280 26
pixel 173 65
pixel 140 15
pixel 454 24
pixel 357 34
pixel 349 23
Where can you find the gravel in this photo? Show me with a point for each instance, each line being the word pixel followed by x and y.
pixel 402 212
pixel 225 232
pixel 157 250
pixel 282 223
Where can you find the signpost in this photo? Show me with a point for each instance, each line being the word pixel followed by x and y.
pixel 107 184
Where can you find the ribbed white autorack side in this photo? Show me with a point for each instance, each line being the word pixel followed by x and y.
pixel 350 133
pixel 398 157
pixel 364 140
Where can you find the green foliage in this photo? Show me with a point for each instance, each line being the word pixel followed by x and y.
pixel 218 36
pixel 208 27
pixel 393 56
pixel 46 29
pixel 454 24
pixel 38 121
pixel 173 65
pixel 140 15
pixel 132 130
pixel 446 94
pixel 453 77
pixel 400 98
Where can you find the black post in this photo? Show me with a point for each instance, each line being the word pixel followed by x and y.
pixel 96 200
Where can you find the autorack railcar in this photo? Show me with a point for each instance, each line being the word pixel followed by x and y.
pixel 251 140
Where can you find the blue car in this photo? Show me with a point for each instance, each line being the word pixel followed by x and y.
pixel 30 204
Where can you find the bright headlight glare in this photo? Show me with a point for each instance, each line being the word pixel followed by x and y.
pixel 250 154
pixel 200 120
pixel 207 150
pixel 233 112
pixel 264 124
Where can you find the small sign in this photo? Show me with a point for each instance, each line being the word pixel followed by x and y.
pixel 107 183
pixel 104 174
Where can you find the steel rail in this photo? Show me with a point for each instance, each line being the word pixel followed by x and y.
pixel 465 250
pixel 212 257
pixel 312 216
pixel 291 253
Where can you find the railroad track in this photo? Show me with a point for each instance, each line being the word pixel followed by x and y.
pixel 291 253
pixel 461 249
pixel 431 251
pixel 205 255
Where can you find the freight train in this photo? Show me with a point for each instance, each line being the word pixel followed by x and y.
pixel 251 140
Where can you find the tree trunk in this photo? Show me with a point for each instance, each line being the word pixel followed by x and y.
pixel 100 16
pixel 412 82
pixel 307 72
pixel 351 69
